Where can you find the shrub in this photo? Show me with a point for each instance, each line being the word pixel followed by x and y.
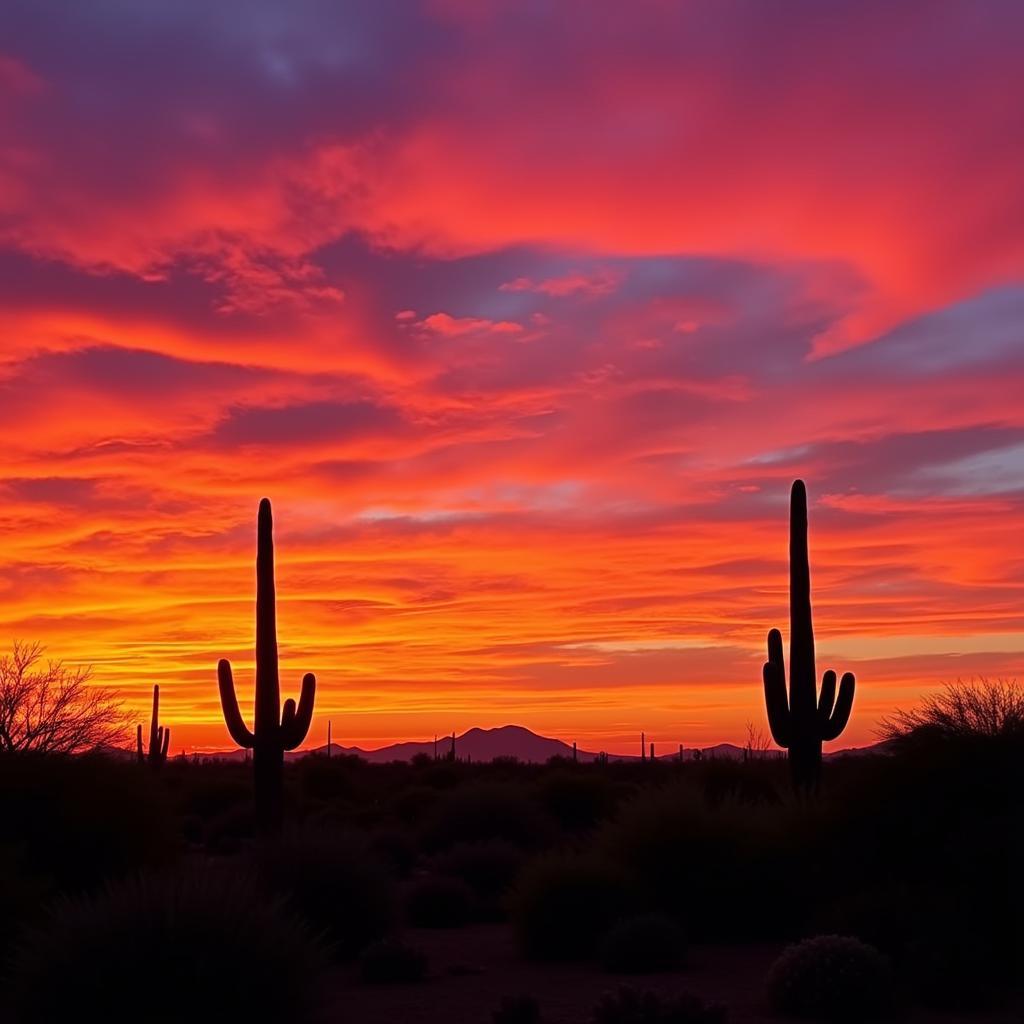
pixel 488 868
pixel 517 1010
pixel 564 904
pixel 578 800
pixel 84 820
pixel 752 862
pixel 392 962
pixel 335 883
pixel 628 1006
pixel 482 811
pixel 438 902
pixel 643 944
pixel 831 977
pixel 202 947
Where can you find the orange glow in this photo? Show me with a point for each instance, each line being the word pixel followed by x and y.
pixel 525 323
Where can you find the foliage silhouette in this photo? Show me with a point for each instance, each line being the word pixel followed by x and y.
pixel 831 977
pixel 51 708
pixel 564 904
pixel 644 944
pixel 275 730
pixel 392 962
pixel 203 946
pixel 801 722
pixel 630 1006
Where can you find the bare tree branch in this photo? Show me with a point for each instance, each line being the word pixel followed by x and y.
pixel 49 707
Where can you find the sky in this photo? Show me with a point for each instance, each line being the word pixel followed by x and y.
pixel 525 316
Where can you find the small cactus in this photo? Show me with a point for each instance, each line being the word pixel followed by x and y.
pixel 159 737
pixel 274 731
pixel 801 722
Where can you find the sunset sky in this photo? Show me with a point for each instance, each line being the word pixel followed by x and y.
pixel 525 316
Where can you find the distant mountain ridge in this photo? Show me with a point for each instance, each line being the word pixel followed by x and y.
pixel 512 741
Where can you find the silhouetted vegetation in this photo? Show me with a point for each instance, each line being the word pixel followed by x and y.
pixel 831 977
pixel 631 1006
pixel 392 962
pixel 159 738
pixel 643 944
pixel 50 708
pixel 801 721
pixel 275 729
pixel 204 946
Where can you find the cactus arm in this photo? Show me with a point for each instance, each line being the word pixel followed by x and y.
pixel 775 703
pixel 229 705
pixel 166 743
pixel 138 743
pixel 299 721
pixel 844 705
pixel 827 699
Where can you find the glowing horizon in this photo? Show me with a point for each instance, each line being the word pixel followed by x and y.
pixel 525 321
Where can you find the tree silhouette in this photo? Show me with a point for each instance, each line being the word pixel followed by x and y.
pixel 49 707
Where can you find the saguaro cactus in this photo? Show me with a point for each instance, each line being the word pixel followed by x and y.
pixel 803 721
pixel 274 730
pixel 159 737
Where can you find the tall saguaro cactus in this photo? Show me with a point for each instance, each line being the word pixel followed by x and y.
pixel 803 720
pixel 159 737
pixel 274 730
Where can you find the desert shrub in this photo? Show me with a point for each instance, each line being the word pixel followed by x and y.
pixel 335 883
pixel 231 830
pixel 752 862
pixel 414 803
pixel 629 1006
pixel 439 902
pixel 489 868
pixel 564 904
pixel 202 947
pixel 578 800
pixel 517 1010
pixel 392 962
pixel 643 944
pixel 831 977
pixel 395 848
pixel 483 811
pixel 80 821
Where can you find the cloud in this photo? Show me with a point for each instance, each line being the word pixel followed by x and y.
pixel 525 320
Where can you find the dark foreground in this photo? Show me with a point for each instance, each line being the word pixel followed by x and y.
pixel 440 891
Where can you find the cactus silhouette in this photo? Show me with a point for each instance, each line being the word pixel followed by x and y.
pixel 159 737
pixel 274 731
pixel 804 720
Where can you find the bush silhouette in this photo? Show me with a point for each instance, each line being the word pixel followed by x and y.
pixel 392 962
pixel 439 902
pixel 517 1010
pixel 334 883
pixel 564 904
pixel 83 820
pixel 728 870
pixel 643 944
pixel 831 977
pixel 202 946
pixel 489 868
pixel 630 1006
pixel 483 810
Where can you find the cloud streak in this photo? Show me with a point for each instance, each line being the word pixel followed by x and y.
pixel 525 319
